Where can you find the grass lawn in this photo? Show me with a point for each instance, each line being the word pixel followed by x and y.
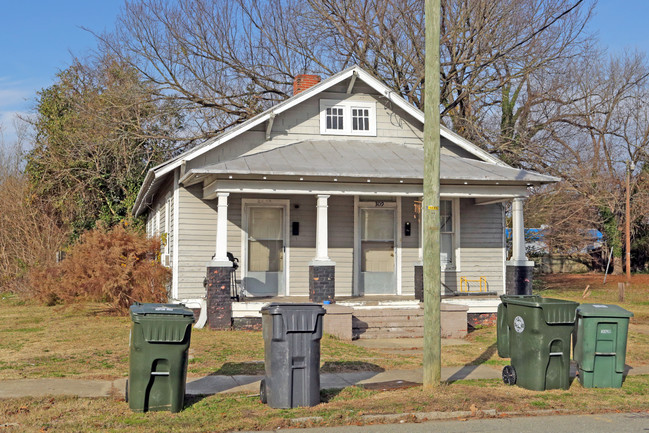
pixel 83 342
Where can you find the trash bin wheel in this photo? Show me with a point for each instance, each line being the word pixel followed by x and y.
pixel 262 392
pixel 509 375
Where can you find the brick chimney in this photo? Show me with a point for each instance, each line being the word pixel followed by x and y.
pixel 303 82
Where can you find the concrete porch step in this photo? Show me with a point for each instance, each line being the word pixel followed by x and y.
pixel 406 322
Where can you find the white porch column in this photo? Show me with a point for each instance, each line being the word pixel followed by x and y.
pixel 221 257
pixel 518 231
pixel 519 271
pixel 322 231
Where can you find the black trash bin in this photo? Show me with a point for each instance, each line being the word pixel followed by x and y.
pixel 292 334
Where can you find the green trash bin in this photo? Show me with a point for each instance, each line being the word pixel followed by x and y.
pixel 600 344
pixel 159 343
pixel 535 333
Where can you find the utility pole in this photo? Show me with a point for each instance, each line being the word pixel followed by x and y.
pixel 430 205
pixel 630 166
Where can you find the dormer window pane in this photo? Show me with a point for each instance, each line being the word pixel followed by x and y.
pixel 360 119
pixel 335 118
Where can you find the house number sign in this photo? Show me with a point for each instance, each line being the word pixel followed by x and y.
pixel 379 203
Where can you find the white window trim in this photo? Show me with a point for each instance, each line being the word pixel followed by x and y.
pixel 456 236
pixel 167 223
pixel 278 203
pixel 358 205
pixel 347 106
pixel 455 206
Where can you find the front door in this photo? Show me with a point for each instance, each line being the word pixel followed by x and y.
pixel 377 251
pixel 265 250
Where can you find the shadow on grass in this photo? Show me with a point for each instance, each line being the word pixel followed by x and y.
pixel 249 368
pixel 349 367
pixel 465 371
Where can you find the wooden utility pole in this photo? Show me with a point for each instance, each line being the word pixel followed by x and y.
pixel 430 205
pixel 630 166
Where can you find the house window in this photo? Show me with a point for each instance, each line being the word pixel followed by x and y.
pixel 360 119
pixel 447 234
pixel 347 117
pixel 166 240
pixel 335 118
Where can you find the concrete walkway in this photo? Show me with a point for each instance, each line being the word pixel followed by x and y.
pixel 250 384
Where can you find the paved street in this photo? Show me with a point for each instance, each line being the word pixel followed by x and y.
pixel 615 422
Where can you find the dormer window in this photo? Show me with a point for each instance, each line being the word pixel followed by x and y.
pixel 347 117
pixel 335 118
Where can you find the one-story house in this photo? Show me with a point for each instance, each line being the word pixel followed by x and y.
pixel 320 196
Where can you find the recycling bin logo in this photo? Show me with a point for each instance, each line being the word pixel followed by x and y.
pixel 519 324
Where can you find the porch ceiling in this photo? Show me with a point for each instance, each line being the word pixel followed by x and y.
pixel 365 159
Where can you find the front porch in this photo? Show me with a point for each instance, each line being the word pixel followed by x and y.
pixel 353 317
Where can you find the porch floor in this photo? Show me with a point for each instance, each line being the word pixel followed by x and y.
pixel 377 299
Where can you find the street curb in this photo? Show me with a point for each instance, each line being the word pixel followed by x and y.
pixel 438 416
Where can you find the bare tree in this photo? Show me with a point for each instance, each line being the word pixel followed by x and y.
pixel 28 236
pixel 226 61
pixel 592 131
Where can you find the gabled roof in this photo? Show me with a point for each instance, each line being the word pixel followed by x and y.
pixel 155 175
pixel 358 159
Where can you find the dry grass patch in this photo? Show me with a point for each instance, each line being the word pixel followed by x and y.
pixel 572 287
pixel 230 412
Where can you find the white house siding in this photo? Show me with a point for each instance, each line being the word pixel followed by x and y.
pixel 341 241
pixel 170 235
pixel 196 240
pixel 481 244
pixel 409 245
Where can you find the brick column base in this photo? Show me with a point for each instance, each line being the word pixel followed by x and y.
pixel 322 283
pixel 419 283
pixel 219 303
pixel 518 279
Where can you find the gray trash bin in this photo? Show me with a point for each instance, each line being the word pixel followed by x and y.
pixel 292 334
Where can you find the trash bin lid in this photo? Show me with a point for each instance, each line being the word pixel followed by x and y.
pixel 280 307
pixel 138 309
pixel 602 310
pixel 555 311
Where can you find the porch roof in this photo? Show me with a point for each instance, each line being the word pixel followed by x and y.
pixel 365 159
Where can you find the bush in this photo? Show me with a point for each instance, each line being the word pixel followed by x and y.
pixel 117 266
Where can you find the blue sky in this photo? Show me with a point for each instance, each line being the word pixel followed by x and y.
pixel 37 38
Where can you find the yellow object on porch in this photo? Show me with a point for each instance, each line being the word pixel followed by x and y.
pixel 465 281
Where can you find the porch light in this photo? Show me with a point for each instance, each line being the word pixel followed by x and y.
pixel 335 179
pixel 264 177
pixel 301 178
pixel 368 181
pixel 230 177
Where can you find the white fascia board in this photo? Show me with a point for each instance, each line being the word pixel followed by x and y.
pixel 139 203
pixel 419 115
pixel 263 117
pixel 370 188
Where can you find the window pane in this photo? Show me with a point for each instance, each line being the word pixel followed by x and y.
pixel 446 248
pixel 377 256
pixel 265 256
pixel 265 223
pixel 377 224
pixel 360 118
pixel 446 215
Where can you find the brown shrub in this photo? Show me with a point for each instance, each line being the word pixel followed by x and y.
pixel 117 266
